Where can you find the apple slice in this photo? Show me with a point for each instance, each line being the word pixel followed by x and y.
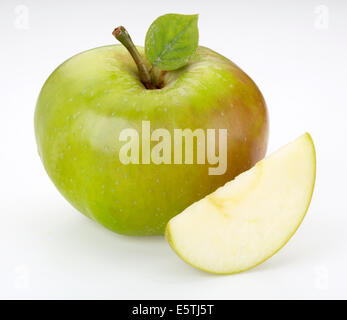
pixel 250 218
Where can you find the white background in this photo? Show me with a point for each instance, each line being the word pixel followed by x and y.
pixel 294 50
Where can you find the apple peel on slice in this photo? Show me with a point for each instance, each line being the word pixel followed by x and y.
pixel 250 218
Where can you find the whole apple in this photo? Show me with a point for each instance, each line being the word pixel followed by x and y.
pixel 91 98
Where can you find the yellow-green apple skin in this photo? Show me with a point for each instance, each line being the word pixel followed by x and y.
pixel 248 220
pixel 89 99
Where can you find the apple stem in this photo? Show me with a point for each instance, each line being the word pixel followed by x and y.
pixel 157 76
pixel 122 35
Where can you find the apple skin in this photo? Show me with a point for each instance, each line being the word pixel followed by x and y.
pixel 89 99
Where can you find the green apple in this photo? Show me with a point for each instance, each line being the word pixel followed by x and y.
pixel 250 218
pixel 91 98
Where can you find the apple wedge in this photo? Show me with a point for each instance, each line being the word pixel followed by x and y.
pixel 249 219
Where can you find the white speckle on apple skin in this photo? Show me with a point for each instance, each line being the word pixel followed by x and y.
pixel 193 82
pixel 76 115
pixel 181 91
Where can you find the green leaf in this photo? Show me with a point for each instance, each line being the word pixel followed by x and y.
pixel 171 41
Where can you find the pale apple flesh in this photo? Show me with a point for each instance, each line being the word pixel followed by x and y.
pixel 250 218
